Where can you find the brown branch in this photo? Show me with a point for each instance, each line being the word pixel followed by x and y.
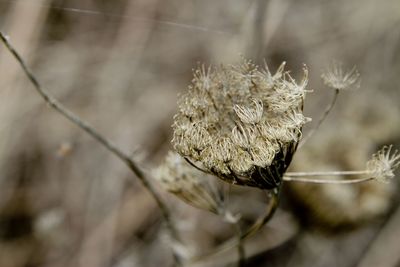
pixel 95 135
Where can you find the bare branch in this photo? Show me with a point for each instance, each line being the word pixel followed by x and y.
pixel 95 135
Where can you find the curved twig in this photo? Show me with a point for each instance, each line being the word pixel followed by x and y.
pixel 85 126
pixel 321 119
pixel 234 242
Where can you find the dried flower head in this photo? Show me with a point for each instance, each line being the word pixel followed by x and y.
pixel 383 164
pixel 188 183
pixel 240 123
pixel 336 78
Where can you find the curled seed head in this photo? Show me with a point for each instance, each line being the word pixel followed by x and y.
pixel 238 119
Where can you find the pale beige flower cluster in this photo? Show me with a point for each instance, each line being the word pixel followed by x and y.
pixel 241 123
pixel 336 78
pixel 189 184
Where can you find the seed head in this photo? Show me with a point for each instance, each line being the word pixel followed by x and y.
pixel 383 164
pixel 188 183
pixel 240 123
pixel 336 78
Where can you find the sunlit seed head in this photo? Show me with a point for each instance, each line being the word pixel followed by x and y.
pixel 335 77
pixel 384 163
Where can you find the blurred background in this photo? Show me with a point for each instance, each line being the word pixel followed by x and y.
pixel 66 201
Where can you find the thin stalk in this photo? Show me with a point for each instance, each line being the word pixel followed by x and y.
pixel 322 119
pixel 86 127
pixel 322 173
pixel 240 246
pixel 300 177
pixel 272 207
pixel 231 243
pixel 327 181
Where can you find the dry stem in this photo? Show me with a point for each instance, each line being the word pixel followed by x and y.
pixel 95 135
pixel 271 208
pixel 240 246
pixel 302 177
pixel 321 120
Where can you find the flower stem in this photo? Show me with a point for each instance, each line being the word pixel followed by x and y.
pixel 327 173
pixel 86 127
pixel 321 120
pixel 235 242
pixel 240 246
pixel 300 177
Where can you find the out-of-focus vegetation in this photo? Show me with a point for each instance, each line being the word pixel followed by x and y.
pixel 66 201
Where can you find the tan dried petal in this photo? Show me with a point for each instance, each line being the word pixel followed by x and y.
pixel 250 115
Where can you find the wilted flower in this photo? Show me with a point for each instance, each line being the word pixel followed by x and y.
pixel 383 164
pixel 240 123
pixel 188 183
pixel 336 78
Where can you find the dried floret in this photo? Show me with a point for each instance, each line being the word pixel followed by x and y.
pixel 384 163
pixel 250 115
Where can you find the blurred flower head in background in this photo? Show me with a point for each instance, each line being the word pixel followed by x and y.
pixel 337 78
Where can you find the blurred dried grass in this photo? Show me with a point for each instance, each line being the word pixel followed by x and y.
pixel 64 201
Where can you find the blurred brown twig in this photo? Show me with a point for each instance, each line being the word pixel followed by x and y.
pixel 85 126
